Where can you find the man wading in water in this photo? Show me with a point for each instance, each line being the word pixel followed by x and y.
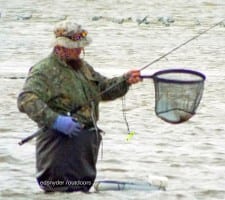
pixel 67 148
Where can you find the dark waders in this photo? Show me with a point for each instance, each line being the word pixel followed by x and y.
pixel 67 164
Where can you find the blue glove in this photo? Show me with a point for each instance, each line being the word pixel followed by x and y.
pixel 67 125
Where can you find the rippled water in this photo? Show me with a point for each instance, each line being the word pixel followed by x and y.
pixel 191 155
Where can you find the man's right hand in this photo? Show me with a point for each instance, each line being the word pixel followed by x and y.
pixel 133 76
pixel 67 125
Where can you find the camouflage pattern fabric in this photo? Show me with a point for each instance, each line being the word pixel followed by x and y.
pixel 53 87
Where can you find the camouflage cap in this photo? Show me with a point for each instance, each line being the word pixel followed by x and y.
pixel 70 35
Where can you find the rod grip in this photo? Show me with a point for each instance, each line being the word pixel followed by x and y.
pixel 30 137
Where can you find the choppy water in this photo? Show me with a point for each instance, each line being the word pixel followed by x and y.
pixel 191 155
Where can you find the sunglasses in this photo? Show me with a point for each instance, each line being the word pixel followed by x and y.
pixel 78 36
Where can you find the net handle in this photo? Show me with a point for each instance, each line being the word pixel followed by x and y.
pixel 147 76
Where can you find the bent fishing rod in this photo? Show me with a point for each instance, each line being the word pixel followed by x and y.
pixel 114 85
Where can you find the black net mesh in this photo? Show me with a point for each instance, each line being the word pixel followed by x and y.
pixel 177 94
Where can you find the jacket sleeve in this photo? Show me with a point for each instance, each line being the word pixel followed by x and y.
pixel 34 98
pixel 111 88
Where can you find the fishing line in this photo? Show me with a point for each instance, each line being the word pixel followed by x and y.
pixel 124 112
pixel 76 108
pixel 130 134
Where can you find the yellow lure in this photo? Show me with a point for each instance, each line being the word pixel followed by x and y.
pixel 130 135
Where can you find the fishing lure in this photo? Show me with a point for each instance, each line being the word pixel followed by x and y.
pixel 130 136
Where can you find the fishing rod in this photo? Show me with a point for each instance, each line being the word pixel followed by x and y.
pixel 112 86
pixel 183 44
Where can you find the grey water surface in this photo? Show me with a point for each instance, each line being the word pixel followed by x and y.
pixel 126 34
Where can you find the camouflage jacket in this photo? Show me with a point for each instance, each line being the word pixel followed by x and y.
pixel 53 87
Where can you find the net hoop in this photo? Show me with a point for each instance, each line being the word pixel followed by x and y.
pixel 177 94
pixel 183 71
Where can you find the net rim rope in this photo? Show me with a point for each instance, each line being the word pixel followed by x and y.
pixel 156 77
